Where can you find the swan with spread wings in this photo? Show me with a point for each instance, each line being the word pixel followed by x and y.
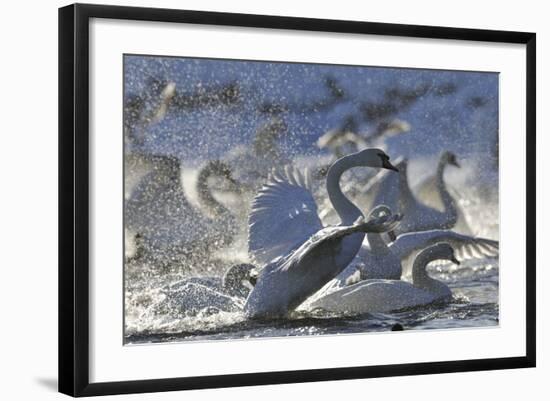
pixel 287 237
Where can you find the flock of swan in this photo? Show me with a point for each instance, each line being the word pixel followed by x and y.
pixel 295 262
pixel 165 222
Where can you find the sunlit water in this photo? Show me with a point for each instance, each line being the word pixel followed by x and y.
pixel 475 304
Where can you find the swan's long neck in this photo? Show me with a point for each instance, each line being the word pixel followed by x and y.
pixel 346 210
pixel 420 277
pixel 205 194
pixel 449 203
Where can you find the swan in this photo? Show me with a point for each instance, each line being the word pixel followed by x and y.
pixel 378 260
pixel 167 224
pixel 379 295
pixel 196 294
pixel 288 238
pixel 394 191
pixel 430 191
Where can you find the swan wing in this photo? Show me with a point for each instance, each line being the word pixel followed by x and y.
pixel 324 244
pixel 465 246
pixel 283 216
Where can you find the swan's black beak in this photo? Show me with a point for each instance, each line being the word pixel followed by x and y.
pixel 454 260
pixel 453 161
pixel 392 235
pixel 386 164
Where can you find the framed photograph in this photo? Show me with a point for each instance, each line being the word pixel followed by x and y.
pixel 249 199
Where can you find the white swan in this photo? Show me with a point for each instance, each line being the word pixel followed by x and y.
pixel 377 295
pixel 395 192
pixel 158 211
pixel 378 260
pixel 196 294
pixel 287 235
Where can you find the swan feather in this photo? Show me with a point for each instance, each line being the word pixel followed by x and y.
pixel 283 215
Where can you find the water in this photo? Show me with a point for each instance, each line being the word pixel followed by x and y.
pixel 474 304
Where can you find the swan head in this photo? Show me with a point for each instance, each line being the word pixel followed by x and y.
pixel 239 279
pixel 168 92
pixel 373 157
pixel 449 158
pixel 442 251
pixel 439 251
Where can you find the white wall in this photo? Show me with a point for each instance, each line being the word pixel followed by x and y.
pixel 28 165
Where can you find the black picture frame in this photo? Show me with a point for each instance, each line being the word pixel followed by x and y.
pixel 74 198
